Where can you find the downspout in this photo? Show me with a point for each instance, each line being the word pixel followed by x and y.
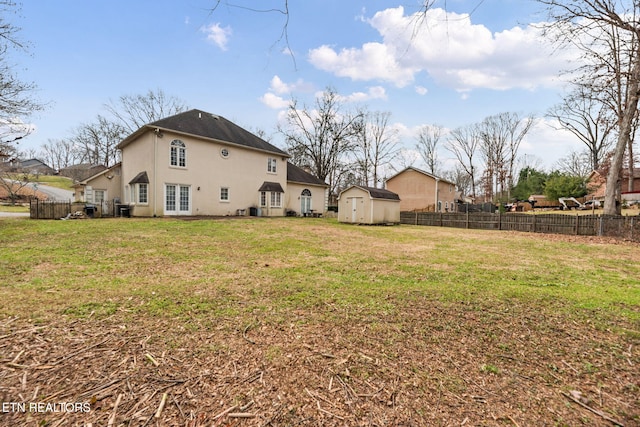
pixel 155 173
pixel 435 207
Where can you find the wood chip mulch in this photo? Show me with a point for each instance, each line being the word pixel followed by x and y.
pixel 434 365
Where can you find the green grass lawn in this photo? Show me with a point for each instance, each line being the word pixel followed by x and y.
pixel 14 208
pixel 54 181
pixel 170 267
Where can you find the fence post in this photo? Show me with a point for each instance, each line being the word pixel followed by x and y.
pixel 599 225
pixel 577 224
pixel 499 220
pixel 467 215
pixel 533 223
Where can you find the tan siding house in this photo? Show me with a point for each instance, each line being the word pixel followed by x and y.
pixel 367 205
pixel 422 191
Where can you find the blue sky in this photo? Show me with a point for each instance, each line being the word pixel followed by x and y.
pixel 456 70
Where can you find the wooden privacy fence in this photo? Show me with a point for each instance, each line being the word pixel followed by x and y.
pixel 627 227
pixel 56 209
pixel 48 209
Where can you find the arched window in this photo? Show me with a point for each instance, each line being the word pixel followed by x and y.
pixel 306 192
pixel 178 154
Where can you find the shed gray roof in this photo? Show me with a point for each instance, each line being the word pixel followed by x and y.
pixel 377 193
pixel 298 175
pixel 206 125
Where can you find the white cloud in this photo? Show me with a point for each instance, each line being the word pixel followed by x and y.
pixel 375 92
pixel 280 87
pixel 217 35
pixel 373 62
pixel 450 48
pixel 274 101
pixel 421 90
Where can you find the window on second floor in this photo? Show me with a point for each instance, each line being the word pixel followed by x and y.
pixel 271 164
pixel 178 153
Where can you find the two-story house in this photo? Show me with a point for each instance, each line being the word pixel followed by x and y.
pixel 198 163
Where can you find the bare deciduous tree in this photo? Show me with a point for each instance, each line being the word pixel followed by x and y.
pixel 16 96
pixel 131 112
pixel 97 141
pixel 60 153
pixel 463 143
pixel 376 145
pixel 589 120
pixel 427 145
pixel 319 138
pixel 576 164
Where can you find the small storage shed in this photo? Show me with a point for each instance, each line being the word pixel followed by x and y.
pixel 366 205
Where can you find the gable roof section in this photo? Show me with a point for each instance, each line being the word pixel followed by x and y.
pixel 141 178
pixel 376 193
pixel 103 171
pixel 209 126
pixel 300 176
pixel 423 173
pixel 274 187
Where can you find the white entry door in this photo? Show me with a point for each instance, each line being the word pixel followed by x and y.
pixel 305 202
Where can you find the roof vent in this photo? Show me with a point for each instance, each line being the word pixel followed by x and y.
pixel 199 115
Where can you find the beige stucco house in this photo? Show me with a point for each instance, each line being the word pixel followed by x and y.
pixel 198 163
pixel 422 191
pixel 366 205
pixel 100 189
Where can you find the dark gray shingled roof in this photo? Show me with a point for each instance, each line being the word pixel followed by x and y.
pixel 379 193
pixel 141 178
pixel 271 186
pixel 207 125
pixel 295 174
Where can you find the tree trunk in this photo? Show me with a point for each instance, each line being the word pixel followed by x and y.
pixel 612 190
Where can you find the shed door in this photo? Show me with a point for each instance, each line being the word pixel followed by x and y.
pixel 357 209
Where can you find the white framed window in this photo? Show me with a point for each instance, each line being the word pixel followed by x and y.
pixel 178 154
pixel 98 196
pixel 143 193
pixel 263 199
pixel 272 163
pixel 276 199
pixel 224 194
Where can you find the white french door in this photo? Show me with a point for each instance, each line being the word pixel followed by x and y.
pixel 177 199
